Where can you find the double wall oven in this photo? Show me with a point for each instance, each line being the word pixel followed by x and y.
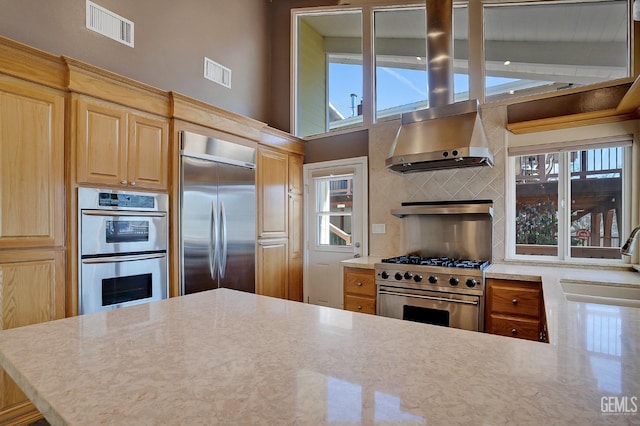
pixel 122 242
pixel 440 278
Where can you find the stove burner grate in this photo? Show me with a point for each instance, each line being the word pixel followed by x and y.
pixel 438 261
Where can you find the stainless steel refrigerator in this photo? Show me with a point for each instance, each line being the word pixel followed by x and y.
pixel 217 214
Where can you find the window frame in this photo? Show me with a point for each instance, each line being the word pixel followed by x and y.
pixel 629 206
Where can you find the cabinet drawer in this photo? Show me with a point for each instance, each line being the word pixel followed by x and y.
pixel 518 301
pixel 522 328
pixel 359 281
pixel 366 305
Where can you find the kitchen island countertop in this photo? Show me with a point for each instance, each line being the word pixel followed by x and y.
pixel 229 357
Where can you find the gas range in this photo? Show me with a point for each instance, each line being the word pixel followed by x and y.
pixel 443 274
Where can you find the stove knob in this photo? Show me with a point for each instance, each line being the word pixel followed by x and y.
pixel 417 278
pixel 408 275
pixel 454 281
pixel 471 283
pixel 384 275
pixel 433 279
pixel 398 276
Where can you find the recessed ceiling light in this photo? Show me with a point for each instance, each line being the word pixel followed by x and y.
pixel 507 62
pixel 418 58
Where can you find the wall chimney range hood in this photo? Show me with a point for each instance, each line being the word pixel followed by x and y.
pixel 446 135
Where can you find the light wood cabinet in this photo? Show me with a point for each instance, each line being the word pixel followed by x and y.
pixel 117 146
pixel 272 180
pixel 279 194
pixel 515 308
pixel 295 228
pixel 31 291
pixel 32 207
pixel 31 165
pixel 272 260
pixel 359 290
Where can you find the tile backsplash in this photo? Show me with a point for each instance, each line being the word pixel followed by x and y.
pixel 387 190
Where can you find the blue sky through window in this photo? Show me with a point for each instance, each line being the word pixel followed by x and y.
pixel 396 86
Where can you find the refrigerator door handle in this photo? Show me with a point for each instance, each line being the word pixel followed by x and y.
pixel 213 241
pixel 223 231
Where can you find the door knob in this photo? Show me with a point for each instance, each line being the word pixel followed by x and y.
pixel 356 245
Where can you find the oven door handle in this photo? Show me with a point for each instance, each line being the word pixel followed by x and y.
pixel 122 213
pixel 440 299
pixel 127 258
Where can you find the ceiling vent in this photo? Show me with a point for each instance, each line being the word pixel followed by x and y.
pixel 109 24
pixel 217 73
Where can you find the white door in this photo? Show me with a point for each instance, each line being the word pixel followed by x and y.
pixel 335 225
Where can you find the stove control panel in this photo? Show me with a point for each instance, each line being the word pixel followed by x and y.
pixel 460 281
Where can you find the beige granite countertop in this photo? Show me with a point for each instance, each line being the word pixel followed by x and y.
pixel 226 357
pixel 365 262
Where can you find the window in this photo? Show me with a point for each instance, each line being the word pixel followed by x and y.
pixel 534 48
pixel 517 49
pixel 401 70
pixel 572 204
pixel 334 206
pixel 329 72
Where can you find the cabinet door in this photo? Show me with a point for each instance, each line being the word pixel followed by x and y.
pixel 295 228
pixel 31 291
pixel 148 152
pixel 295 247
pixel 31 165
pixel 272 190
pixel 272 268
pixel 101 143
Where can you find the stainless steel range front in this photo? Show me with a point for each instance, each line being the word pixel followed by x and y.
pixel 440 280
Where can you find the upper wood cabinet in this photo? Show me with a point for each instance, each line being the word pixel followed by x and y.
pixel 272 178
pixel 117 146
pixel 31 165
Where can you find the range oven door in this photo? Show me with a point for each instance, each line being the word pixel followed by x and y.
pixel 116 281
pixel 105 232
pixel 429 307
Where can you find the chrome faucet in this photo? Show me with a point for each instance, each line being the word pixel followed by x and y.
pixel 627 248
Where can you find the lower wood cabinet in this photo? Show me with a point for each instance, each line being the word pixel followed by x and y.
pixel 31 291
pixel 273 269
pixel 515 308
pixel 359 290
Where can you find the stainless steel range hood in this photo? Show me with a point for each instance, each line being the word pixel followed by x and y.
pixel 447 135
pixel 438 138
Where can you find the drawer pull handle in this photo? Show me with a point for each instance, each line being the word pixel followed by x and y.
pixel 359 307
pixel 514 331
pixel 514 301
pixel 123 182
pixel 359 284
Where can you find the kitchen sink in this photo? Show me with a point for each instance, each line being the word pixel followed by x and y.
pixel 603 293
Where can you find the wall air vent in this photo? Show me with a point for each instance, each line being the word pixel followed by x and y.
pixel 217 73
pixel 109 24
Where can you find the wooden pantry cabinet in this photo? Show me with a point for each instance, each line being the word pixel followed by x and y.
pixel 279 247
pixel 118 146
pixel 515 308
pixel 359 290
pixel 32 214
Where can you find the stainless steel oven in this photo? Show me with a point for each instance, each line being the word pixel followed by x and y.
pixel 440 279
pixel 122 242
pixel 431 294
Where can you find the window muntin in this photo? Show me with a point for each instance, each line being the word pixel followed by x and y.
pixel 548 46
pixel 590 182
